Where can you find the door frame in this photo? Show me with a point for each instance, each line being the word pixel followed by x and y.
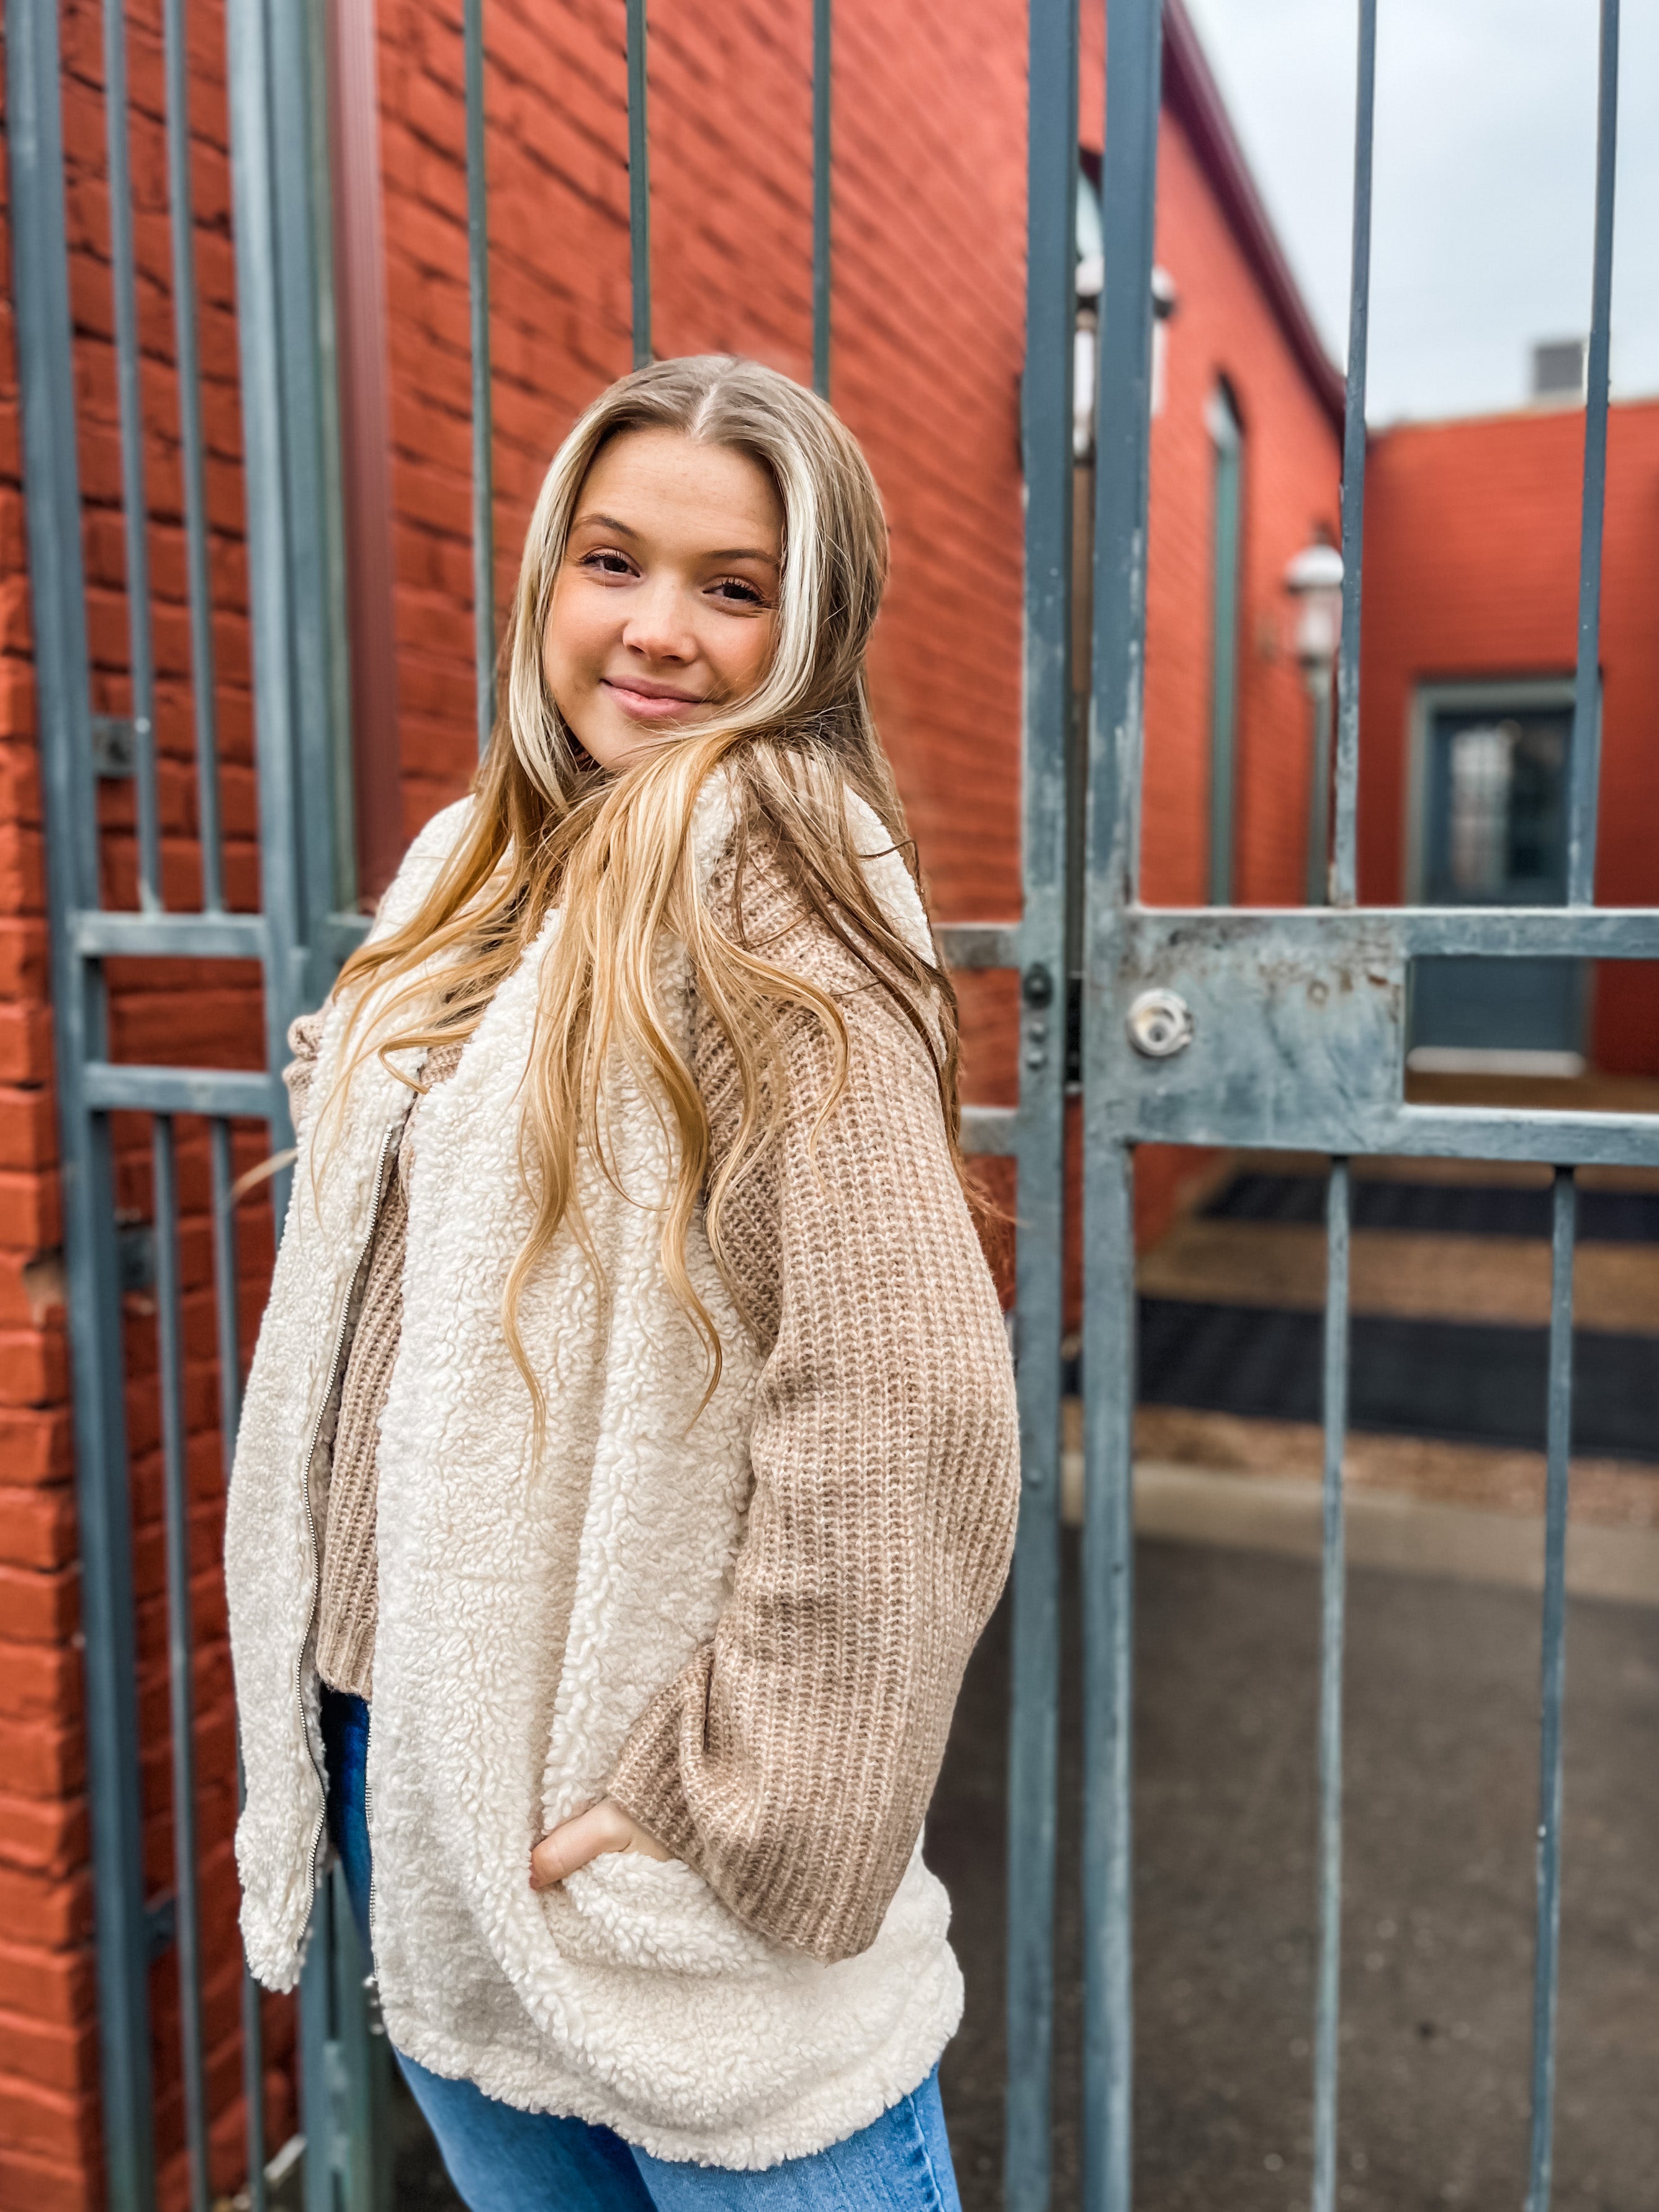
pixel 1472 695
pixel 1478 695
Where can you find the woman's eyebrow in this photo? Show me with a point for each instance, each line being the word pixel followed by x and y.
pixel 621 529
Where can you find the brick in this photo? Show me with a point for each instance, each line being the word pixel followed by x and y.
pixel 29 1219
pixel 37 1528
pixel 51 1910
pixel 48 2122
pixel 28 1136
pixel 38 1680
pixel 39 1609
pixel 47 2185
pixel 48 1837
pixel 41 1758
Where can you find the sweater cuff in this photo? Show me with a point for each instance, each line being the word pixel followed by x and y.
pixel 645 1780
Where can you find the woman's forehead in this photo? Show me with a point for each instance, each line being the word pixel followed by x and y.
pixel 657 482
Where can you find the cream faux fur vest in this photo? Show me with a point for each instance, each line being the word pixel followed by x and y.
pixel 630 1995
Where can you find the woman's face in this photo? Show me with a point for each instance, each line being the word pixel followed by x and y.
pixel 664 608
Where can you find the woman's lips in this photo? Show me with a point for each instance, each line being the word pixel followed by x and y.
pixel 649 706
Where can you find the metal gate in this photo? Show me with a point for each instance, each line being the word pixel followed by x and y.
pixel 1212 1027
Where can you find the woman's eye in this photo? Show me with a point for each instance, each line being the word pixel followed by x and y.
pixel 738 589
pixel 607 564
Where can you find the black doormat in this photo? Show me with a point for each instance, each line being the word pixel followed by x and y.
pixel 1605 1216
pixel 1468 1382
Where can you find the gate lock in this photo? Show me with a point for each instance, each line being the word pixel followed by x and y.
pixel 1160 1024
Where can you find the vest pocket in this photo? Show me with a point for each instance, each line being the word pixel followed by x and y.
pixel 625 1910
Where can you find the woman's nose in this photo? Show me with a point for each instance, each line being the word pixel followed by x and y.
pixel 656 627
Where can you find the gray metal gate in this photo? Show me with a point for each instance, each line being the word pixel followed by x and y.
pixel 298 935
pixel 1212 1027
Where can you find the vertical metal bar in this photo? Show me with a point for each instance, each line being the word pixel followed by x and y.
pixel 227 1338
pixel 477 266
pixel 821 175
pixel 1123 419
pixel 254 2076
pixel 1586 768
pixel 334 804
pixel 123 286
pixel 310 462
pixel 192 455
pixel 182 1700
pixel 1109 1370
pixel 46 384
pixel 319 2084
pixel 1334 1605
pixel 1039 1299
pixel 1344 867
pixel 639 183
pixel 255 159
pixel 226 1315
pixel 1559 1447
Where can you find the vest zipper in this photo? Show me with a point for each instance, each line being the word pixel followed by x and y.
pixel 388 1149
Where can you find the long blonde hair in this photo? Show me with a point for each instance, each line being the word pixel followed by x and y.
pixel 549 827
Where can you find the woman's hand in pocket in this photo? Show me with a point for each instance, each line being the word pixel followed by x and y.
pixel 587 1835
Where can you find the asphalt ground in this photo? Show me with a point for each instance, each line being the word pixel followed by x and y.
pixel 1440 1807
pixel 1442 1734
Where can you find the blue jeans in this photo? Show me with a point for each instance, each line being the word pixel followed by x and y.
pixel 502 2159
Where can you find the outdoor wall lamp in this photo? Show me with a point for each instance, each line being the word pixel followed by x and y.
pixel 1314 580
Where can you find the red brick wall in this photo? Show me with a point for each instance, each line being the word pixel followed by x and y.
pixel 1472 572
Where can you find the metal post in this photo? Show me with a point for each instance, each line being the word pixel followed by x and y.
pixel 135 511
pixel 1546 1968
pixel 1123 421
pixel 1333 1626
pixel 821 174
pixel 192 456
pixel 639 184
pixel 1345 868
pixel 1585 770
pixel 1033 1740
pixel 175 1492
pixel 46 381
pixel 478 268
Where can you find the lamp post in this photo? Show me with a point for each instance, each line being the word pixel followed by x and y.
pixel 1314 580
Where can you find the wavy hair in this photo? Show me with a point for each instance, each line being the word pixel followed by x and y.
pixel 549 827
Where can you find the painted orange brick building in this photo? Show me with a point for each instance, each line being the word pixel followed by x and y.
pixel 928 341
pixel 1472 538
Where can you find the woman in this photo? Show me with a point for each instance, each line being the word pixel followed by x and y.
pixel 630 1462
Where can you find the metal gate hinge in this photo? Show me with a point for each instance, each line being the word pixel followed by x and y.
pixel 114 745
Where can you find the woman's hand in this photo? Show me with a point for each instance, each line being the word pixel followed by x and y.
pixel 587 1835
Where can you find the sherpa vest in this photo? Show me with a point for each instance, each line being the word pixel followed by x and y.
pixel 629 1994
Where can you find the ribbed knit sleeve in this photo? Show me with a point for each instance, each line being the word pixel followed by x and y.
pixel 305 1034
pixel 792 1762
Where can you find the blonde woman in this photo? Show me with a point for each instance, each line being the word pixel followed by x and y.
pixel 630 1460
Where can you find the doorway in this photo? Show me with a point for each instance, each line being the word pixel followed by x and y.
pixel 1489 817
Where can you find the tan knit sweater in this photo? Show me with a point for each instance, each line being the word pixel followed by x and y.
pixel 885 1460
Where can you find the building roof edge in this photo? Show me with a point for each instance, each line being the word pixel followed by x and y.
pixel 1193 97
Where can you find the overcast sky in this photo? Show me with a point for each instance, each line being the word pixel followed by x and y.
pixel 1485 182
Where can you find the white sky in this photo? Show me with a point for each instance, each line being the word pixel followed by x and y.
pixel 1484 185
